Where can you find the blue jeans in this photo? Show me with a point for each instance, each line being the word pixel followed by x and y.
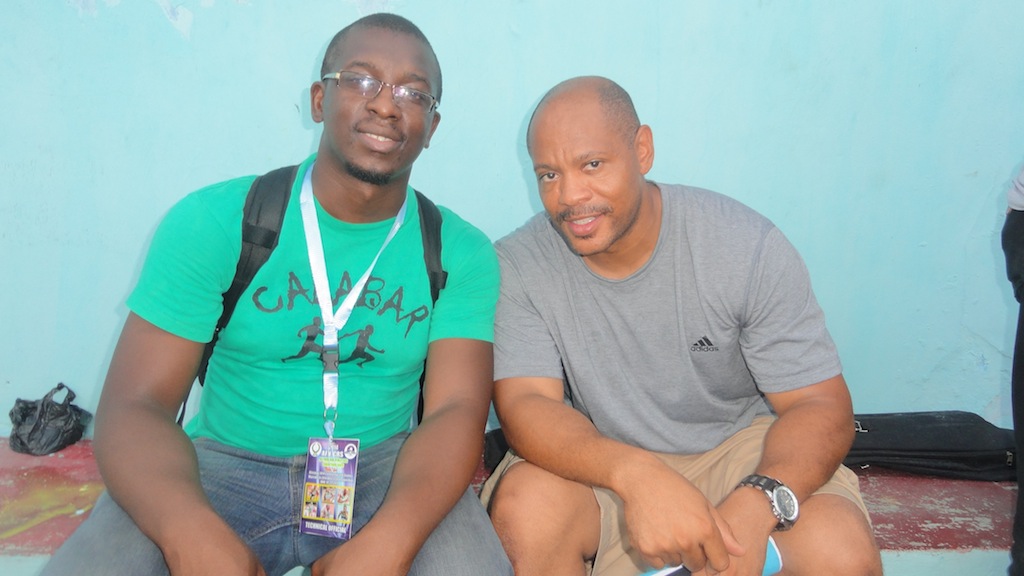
pixel 260 497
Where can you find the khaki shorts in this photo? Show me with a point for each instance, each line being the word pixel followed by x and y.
pixel 716 473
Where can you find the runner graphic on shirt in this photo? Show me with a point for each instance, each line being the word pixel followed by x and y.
pixel 313 331
pixel 362 345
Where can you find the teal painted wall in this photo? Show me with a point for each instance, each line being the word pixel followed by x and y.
pixel 880 135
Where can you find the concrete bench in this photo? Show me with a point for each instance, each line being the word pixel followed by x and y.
pixel 927 526
pixel 937 526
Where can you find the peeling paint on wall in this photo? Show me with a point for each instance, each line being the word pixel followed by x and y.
pixel 179 16
pixel 176 12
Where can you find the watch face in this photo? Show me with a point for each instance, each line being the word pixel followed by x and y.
pixel 786 502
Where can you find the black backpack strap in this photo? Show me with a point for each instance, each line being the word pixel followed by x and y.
pixel 430 227
pixel 262 218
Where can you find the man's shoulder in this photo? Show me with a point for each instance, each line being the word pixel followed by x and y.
pixel 234 190
pixel 466 251
pixel 226 195
pixel 458 232
pixel 212 207
pixel 709 203
pixel 533 233
pixel 713 216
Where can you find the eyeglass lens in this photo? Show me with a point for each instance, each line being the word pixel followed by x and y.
pixel 370 87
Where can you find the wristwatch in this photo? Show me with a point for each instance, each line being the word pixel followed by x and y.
pixel 783 501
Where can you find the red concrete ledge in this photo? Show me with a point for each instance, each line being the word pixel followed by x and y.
pixel 910 512
pixel 44 498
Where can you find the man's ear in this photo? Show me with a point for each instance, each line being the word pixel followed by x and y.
pixel 643 144
pixel 433 127
pixel 316 102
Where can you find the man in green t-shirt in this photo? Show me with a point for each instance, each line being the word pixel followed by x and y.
pixel 304 450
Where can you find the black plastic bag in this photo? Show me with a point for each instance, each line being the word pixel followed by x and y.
pixel 44 426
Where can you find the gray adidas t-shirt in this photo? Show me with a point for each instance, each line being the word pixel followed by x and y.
pixel 671 358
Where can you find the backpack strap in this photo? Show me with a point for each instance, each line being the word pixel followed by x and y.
pixel 430 227
pixel 262 218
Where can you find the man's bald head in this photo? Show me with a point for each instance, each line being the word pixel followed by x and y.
pixel 614 101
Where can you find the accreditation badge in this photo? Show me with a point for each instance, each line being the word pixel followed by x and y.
pixel 330 487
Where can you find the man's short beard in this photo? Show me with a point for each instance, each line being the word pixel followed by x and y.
pixel 368 176
pixel 558 220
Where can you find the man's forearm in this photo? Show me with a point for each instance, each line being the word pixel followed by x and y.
pixel 432 471
pixel 562 441
pixel 806 445
pixel 150 469
pixel 147 462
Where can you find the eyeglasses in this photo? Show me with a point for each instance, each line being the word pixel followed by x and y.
pixel 369 87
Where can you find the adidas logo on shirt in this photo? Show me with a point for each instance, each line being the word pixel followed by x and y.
pixel 703 345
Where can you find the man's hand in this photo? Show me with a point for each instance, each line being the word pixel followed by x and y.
pixel 670 522
pixel 747 511
pixel 217 550
pixel 361 555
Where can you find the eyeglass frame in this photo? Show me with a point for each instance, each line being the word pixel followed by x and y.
pixel 336 76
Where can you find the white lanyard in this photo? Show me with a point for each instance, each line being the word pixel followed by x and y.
pixel 333 321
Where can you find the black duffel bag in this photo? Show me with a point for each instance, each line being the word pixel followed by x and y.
pixel 951 444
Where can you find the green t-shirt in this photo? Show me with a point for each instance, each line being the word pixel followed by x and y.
pixel 263 389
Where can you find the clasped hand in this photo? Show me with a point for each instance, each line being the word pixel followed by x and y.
pixel 671 523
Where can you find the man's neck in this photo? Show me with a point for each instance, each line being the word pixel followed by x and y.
pixel 349 199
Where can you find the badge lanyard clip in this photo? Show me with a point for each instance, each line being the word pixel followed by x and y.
pixel 329 357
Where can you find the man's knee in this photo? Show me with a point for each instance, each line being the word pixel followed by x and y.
pixel 531 506
pixel 832 537
pixel 520 494
pixel 854 559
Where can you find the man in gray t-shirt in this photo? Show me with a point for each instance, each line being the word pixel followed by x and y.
pixel 661 366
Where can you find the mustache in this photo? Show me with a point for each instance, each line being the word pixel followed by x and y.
pixel 584 211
